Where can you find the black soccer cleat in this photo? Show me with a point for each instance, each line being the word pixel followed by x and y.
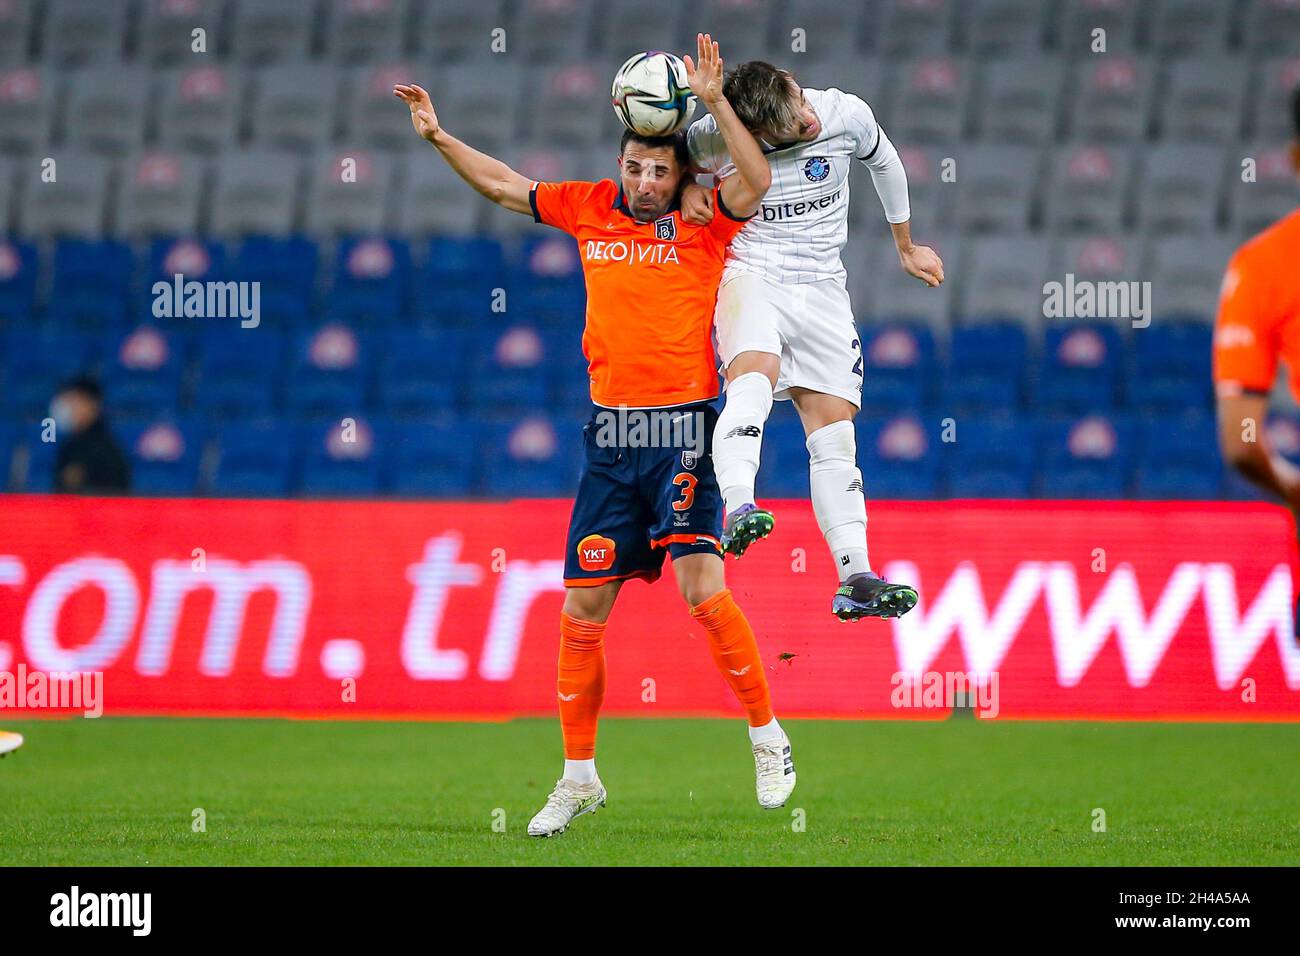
pixel 743 527
pixel 869 595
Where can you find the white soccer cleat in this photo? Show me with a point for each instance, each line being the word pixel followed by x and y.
pixel 9 741
pixel 567 802
pixel 773 772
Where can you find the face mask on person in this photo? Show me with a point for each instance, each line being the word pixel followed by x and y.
pixel 61 412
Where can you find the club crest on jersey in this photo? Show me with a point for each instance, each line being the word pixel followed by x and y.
pixel 689 460
pixel 596 553
pixel 817 169
pixel 665 229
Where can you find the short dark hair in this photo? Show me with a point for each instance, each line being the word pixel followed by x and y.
pixel 760 94
pixel 1295 110
pixel 83 384
pixel 675 141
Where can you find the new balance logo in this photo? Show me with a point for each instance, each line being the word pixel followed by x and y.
pixel 854 485
pixel 743 431
pixel 845 560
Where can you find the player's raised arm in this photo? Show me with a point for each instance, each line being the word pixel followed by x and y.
pixel 490 177
pixel 742 192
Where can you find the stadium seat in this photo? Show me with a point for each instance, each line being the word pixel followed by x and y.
pixel 1003 280
pixel 36 362
pixel 1181 27
pixel 989 456
pixel 1080 368
pixel 434 458
pixel 273 31
pixel 1004 27
pixel 165 456
pixel 783 471
pixel 626 25
pixel 1086 457
pixel 904 27
pixel 343 458
pixel 83 31
pixel 484 104
pixel 104 113
pixel 143 369
pixel 368 111
pixel 1170 367
pixel 16 19
pixel 327 373
pixel 930 104
pixel 558 113
pixel 365 32
pixel 451 32
pixel 19 268
pixel 199 107
pixel 744 26
pixel 160 195
pixel 898 365
pixel 509 370
pixel 897 456
pixel 1186 275
pixel 278 119
pixel 1270 93
pixel 349 192
pixel 1088 188
pixel 372 280
pixel 256 458
pixel 1021 100
pixel 556 32
pixel 1271 26
pixel 8 192
pixel 1204 100
pixel 1112 97
pixel 533 457
pixel 286 270
pixel 435 200
pixel 256 193
pixel 419 374
pixel 1181 186
pixel 1119 19
pixel 74 204
pixel 986 369
pixel 1256 204
pixel 239 371
pixel 92 279
pixel 28 100
pixel 997 186
pixel 165 33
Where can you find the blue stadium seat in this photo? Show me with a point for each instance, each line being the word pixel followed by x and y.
pixel 1079 370
pixel 256 457
pixel 1164 482
pixel 328 372
pixel 35 364
pixel 898 366
pixel 143 370
pixel 783 471
pixel 986 369
pixel 93 278
pixel 535 457
pixel 165 455
pixel 420 373
pixel 239 371
pixel 990 456
pixel 547 276
pixel 9 440
pixel 341 459
pixel 510 370
pixel 286 270
pixel 436 457
pixel 898 457
pixel 1170 367
pixel 1087 457
pixel 40 457
pixel 456 281
pixel 372 279
pixel 19 269
pixel 1189 441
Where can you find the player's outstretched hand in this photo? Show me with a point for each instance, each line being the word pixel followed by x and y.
pixel 697 204
pixel 423 118
pixel 923 263
pixel 705 79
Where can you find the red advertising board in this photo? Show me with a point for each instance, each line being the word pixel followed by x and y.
pixel 450 610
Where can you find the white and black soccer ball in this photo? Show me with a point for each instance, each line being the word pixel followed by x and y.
pixel 651 94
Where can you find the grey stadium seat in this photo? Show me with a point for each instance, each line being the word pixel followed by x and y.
pixel 160 194
pixel 1181 188
pixel 83 31
pixel 8 193
pixel 106 108
pixel 1112 98
pixel 434 199
pixel 930 105
pixel 460 31
pixel 1272 26
pixel 27 108
pixel 831 28
pixel 931 199
pixel 554 31
pixel 1257 205
pixel 373 115
pixel 366 32
pixel 1186 274
pixel 199 107
pixel 1190 26
pixel 1098 259
pixel 481 107
pixel 741 27
pixel 16 19
pixel 293 106
pixel 165 34
pixel 625 26
pixel 358 205
pixel 256 193
pixel 272 31
pixel 1020 101
pixel 908 28
pixel 1203 100
pixel 566 106
pixel 535 162
pixel 1006 26
pixel 896 296
pixel 852 73
pixel 1088 188
pixel 996 186
pixel 1002 278
pixel 74 204
pixel 1271 97
pixel 1119 18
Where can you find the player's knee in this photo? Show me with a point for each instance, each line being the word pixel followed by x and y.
pixel 833 444
pixel 589 604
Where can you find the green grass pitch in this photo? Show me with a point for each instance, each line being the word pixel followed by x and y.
pixel 961 791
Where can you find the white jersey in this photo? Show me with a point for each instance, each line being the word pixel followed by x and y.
pixel 803 222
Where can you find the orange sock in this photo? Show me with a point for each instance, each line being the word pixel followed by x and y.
pixel 580 685
pixel 736 653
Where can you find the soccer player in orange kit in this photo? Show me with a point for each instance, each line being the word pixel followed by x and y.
pixel 1258 324
pixel 652 283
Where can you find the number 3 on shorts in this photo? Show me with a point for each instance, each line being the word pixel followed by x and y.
pixel 687 481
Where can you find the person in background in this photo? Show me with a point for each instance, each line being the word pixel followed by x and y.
pixel 88 459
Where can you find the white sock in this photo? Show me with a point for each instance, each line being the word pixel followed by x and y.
pixel 837 496
pixel 580 771
pixel 738 438
pixel 769 731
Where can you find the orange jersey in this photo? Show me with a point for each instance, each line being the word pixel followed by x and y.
pixel 1259 312
pixel 651 290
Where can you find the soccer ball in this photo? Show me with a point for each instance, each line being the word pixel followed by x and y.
pixel 651 94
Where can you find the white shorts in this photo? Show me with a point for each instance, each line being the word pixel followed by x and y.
pixel 808 324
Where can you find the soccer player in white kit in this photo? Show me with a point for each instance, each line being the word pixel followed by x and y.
pixel 784 323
